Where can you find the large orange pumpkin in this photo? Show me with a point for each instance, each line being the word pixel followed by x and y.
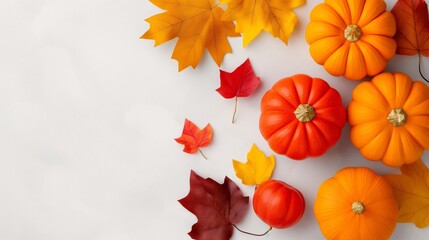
pixel 301 116
pixel 356 204
pixel 351 37
pixel 389 118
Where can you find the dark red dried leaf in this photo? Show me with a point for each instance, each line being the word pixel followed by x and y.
pixel 216 206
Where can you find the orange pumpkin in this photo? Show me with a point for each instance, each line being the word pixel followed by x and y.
pixel 301 116
pixel 389 118
pixel 356 204
pixel 352 38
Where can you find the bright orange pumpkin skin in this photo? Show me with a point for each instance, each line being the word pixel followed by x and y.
pixel 351 38
pixel 371 131
pixel 338 216
pixel 282 129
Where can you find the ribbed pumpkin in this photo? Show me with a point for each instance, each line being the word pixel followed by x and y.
pixel 278 204
pixel 389 118
pixel 351 37
pixel 301 116
pixel 356 204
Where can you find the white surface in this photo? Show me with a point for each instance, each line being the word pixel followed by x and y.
pixel 89 113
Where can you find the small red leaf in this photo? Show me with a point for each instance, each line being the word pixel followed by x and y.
pixel 240 83
pixel 193 138
pixel 412 35
pixel 216 206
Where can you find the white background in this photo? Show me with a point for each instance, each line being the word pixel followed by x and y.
pixel 89 113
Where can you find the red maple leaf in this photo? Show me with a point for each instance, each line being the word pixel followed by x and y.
pixel 412 28
pixel 241 82
pixel 218 207
pixel 193 138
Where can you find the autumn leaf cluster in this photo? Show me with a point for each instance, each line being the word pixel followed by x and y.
pixel 202 25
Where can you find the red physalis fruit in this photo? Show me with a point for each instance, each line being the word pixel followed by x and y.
pixel 278 204
pixel 193 138
pixel 218 207
pixel 242 82
pixel 412 24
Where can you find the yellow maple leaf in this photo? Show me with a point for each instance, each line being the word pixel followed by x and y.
pixel 198 26
pixel 411 190
pixel 253 16
pixel 257 169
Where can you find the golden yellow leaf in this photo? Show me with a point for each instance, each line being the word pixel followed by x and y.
pixel 198 26
pixel 257 169
pixel 411 190
pixel 253 16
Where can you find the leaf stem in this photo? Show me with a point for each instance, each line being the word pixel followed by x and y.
pixel 202 154
pixel 235 109
pixel 420 68
pixel 253 234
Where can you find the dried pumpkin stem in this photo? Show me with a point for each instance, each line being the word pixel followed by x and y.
pixel 253 234
pixel 358 207
pixel 352 33
pixel 304 112
pixel 397 117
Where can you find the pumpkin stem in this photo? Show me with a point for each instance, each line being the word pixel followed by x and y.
pixel 253 234
pixel 304 112
pixel 352 33
pixel 358 207
pixel 420 68
pixel 397 117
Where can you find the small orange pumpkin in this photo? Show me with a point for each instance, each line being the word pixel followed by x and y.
pixel 389 118
pixel 356 204
pixel 351 37
pixel 301 116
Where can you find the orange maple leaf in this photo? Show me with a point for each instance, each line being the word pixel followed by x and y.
pixel 193 138
pixel 412 36
pixel 198 26
pixel 253 16
pixel 411 190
